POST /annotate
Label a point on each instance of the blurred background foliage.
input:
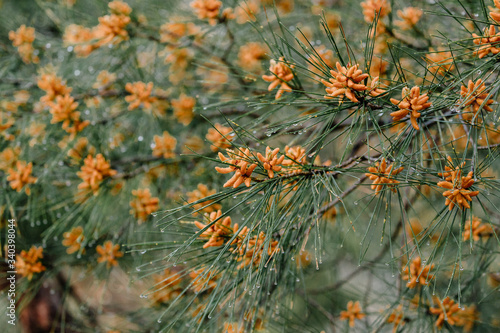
(107, 239)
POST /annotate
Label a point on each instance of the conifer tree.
(250, 166)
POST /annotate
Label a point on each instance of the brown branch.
(138, 159)
(66, 285)
(342, 196)
(407, 43)
(232, 112)
(489, 147)
(230, 35)
(143, 167)
(318, 307)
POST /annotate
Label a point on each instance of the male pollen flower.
(167, 286)
(410, 17)
(119, 8)
(487, 43)
(64, 110)
(140, 94)
(238, 162)
(371, 8)
(53, 87)
(446, 311)
(109, 252)
(94, 171)
(220, 137)
(282, 74)
(73, 240)
(345, 82)
(458, 192)
(475, 97)
(27, 263)
(21, 177)
(164, 145)
(183, 109)
(495, 12)
(203, 280)
(250, 56)
(381, 175)
(111, 29)
(218, 232)
(353, 312)
(396, 318)
(271, 162)
(411, 103)
(417, 273)
(477, 229)
(207, 9)
(143, 204)
(252, 252)
(440, 61)
(202, 192)
(23, 39)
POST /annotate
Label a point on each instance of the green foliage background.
(358, 256)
